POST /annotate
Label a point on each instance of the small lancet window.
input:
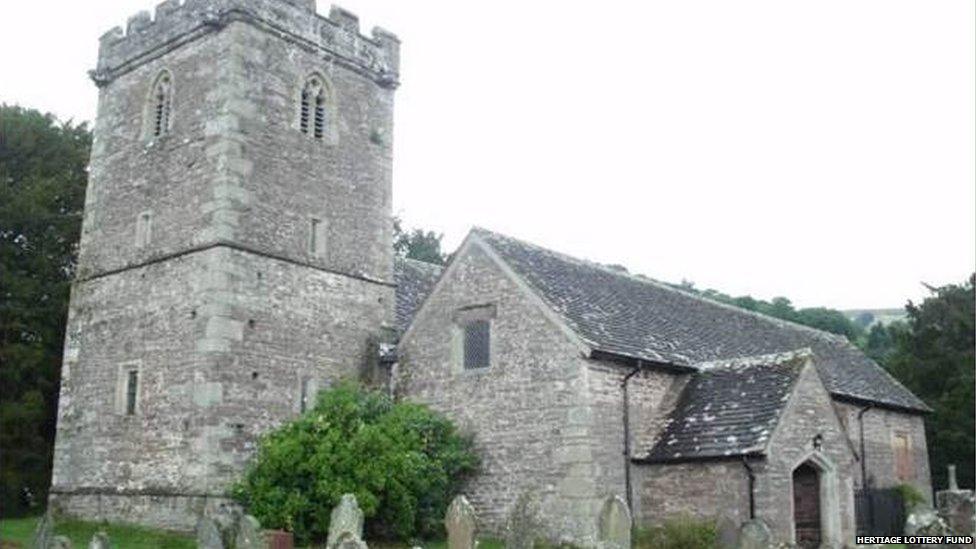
(161, 105)
(131, 391)
(314, 111)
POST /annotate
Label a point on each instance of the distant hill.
(866, 317)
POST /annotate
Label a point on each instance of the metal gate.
(880, 512)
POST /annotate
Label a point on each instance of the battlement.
(176, 22)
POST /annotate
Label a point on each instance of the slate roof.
(414, 281)
(636, 317)
(729, 409)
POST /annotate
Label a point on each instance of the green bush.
(678, 533)
(402, 461)
(910, 496)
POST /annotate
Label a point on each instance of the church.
(236, 258)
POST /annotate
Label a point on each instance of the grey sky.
(819, 150)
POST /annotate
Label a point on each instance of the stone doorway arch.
(815, 502)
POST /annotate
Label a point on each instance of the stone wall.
(706, 490)
(533, 425)
(880, 427)
(223, 341)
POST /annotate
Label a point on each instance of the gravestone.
(614, 524)
(346, 517)
(523, 527)
(349, 541)
(99, 541)
(957, 507)
(248, 534)
(726, 533)
(460, 523)
(755, 534)
(43, 532)
(60, 542)
(208, 535)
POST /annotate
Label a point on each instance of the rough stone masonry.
(235, 252)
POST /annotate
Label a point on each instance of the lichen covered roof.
(636, 317)
(414, 281)
(729, 408)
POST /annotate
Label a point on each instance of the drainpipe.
(864, 466)
(626, 399)
(752, 487)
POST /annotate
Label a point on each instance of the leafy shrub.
(402, 461)
(678, 533)
(910, 496)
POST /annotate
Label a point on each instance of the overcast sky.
(820, 150)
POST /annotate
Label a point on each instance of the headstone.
(226, 516)
(349, 541)
(924, 521)
(953, 484)
(958, 509)
(60, 542)
(726, 533)
(460, 523)
(523, 525)
(99, 541)
(208, 535)
(43, 532)
(614, 524)
(755, 534)
(346, 517)
(249, 534)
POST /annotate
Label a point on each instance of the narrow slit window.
(143, 229)
(477, 344)
(315, 237)
(162, 99)
(303, 396)
(131, 392)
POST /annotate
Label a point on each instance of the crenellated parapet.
(176, 22)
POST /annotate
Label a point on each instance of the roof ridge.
(747, 361)
(665, 286)
(419, 263)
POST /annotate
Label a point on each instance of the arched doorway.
(806, 505)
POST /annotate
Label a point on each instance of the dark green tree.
(417, 244)
(402, 461)
(935, 359)
(42, 187)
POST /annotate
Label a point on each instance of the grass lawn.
(16, 533)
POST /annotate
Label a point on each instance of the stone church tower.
(235, 254)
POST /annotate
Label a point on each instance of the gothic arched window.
(160, 105)
(314, 116)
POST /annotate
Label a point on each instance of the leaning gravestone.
(726, 533)
(60, 542)
(99, 541)
(248, 534)
(460, 524)
(346, 517)
(43, 532)
(614, 524)
(523, 526)
(755, 534)
(349, 541)
(208, 535)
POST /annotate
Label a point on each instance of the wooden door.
(806, 506)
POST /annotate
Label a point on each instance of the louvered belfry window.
(314, 109)
(477, 344)
(162, 100)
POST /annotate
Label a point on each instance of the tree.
(417, 244)
(934, 358)
(42, 188)
(403, 462)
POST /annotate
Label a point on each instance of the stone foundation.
(173, 512)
